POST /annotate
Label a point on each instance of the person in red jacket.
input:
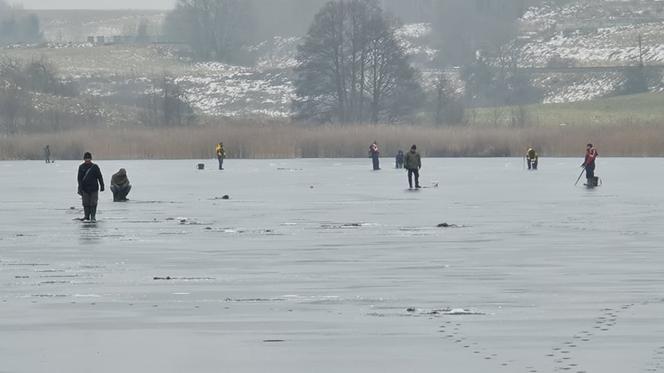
(589, 164)
(374, 153)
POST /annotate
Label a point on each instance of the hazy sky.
(95, 4)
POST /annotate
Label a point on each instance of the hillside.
(575, 52)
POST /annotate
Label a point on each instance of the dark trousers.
(221, 162)
(89, 199)
(532, 164)
(590, 171)
(120, 192)
(90, 204)
(376, 162)
(415, 172)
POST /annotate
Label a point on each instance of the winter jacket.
(120, 178)
(413, 161)
(591, 155)
(90, 178)
(220, 151)
(373, 150)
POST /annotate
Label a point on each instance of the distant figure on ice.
(532, 159)
(120, 186)
(47, 154)
(89, 182)
(589, 164)
(221, 154)
(413, 164)
(400, 159)
(374, 153)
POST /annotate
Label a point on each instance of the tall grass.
(287, 140)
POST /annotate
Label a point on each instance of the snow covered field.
(325, 266)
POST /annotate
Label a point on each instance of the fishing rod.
(577, 180)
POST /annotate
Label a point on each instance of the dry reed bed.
(286, 140)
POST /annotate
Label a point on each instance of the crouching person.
(120, 186)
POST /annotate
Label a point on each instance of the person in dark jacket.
(400, 159)
(90, 183)
(120, 186)
(47, 154)
(413, 163)
(532, 158)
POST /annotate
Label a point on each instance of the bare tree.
(165, 105)
(15, 100)
(142, 32)
(351, 67)
(463, 27)
(17, 25)
(448, 108)
(214, 29)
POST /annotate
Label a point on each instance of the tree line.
(35, 97)
(216, 29)
(351, 67)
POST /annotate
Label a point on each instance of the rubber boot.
(86, 212)
(93, 213)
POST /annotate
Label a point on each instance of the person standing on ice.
(399, 159)
(532, 159)
(90, 183)
(589, 165)
(47, 154)
(221, 154)
(413, 163)
(374, 153)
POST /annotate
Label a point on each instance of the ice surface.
(326, 266)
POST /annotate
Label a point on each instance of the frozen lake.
(326, 266)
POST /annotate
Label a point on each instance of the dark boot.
(93, 213)
(86, 212)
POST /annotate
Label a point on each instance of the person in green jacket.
(413, 163)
